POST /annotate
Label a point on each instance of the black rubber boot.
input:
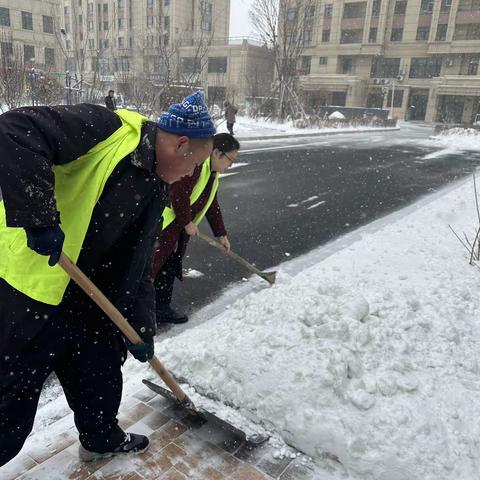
(133, 443)
(166, 314)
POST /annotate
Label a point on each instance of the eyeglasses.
(230, 159)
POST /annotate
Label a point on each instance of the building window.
(105, 25)
(323, 60)
(191, 65)
(445, 6)
(351, 36)
(354, 10)
(90, 8)
(91, 43)
(385, 67)
(291, 14)
(425, 67)
(90, 26)
(27, 21)
(124, 64)
(426, 6)
(150, 3)
(377, 4)
(121, 42)
(68, 44)
(441, 32)
(4, 17)
(397, 35)
(105, 43)
(206, 8)
(105, 8)
(468, 5)
(28, 53)
(473, 67)
(166, 3)
(310, 11)
(306, 65)
(49, 57)
(467, 32)
(346, 65)
(166, 23)
(149, 41)
(397, 99)
(400, 7)
(206, 25)
(372, 35)
(328, 10)
(422, 33)
(121, 23)
(326, 36)
(307, 37)
(7, 52)
(217, 65)
(121, 4)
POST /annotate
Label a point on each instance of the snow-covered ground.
(247, 127)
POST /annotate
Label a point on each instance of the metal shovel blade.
(269, 277)
(201, 416)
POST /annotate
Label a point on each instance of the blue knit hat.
(189, 118)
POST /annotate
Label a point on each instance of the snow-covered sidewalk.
(249, 128)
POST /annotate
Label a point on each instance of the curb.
(318, 134)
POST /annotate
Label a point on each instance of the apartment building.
(423, 53)
(27, 30)
(130, 36)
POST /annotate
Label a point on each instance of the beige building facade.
(238, 70)
(423, 53)
(27, 29)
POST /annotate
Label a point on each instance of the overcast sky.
(239, 24)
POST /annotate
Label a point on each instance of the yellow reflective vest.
(169, 214)
(78, 187)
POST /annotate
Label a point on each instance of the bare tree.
(285, 27)
(12, 73)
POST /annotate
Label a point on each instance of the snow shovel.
(176, 392)
(268, 276)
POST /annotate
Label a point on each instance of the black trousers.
(230, 127)
(75, 342)
(165, 280)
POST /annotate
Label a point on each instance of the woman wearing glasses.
(192, 198)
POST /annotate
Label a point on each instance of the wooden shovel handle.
(119, 320)
(268, 276)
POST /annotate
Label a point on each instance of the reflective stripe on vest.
(78, 187)
(169, 214)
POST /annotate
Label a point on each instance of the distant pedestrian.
(230, 115)
(110, 102)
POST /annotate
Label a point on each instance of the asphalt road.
(286, 197)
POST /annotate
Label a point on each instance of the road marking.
(283, 147)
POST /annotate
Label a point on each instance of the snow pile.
(336, 116)
(370, 356)
(467, 139)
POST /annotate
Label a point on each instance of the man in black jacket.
(110, 102)
(74, 339)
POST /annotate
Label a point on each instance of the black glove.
(46, 241)
(141, 351)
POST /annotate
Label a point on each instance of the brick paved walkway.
(177, 451)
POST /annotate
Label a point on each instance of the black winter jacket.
(117, 250)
